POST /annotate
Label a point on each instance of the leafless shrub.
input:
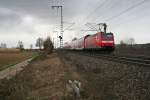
(20, 45)
(3, 45)
(48, 45)
(39, 43)
(128, 43)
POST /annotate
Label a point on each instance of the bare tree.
(122, 43)
(48, 45)
(131, 41)
(128, 42)
(39, 43)
(20, 45)
(3, 45)
(74, 39)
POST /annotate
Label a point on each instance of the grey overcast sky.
(26, 20)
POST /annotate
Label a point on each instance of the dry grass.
(10, 57)
(9, 50)
(43, 79)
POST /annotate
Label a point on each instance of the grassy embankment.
(10, 57)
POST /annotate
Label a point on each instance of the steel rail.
(137, 60)
(128, 60)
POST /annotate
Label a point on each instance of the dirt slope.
(42, 80)
(46, 79)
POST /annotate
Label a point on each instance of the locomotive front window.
(107, 36)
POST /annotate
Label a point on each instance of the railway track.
(135, 60)
(125, 59)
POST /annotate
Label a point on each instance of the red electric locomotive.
(98, 41)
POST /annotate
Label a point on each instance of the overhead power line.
(110, 6)
(126, 10)
(89, 25)
(68, 28)
(137, 17)
(98, 7)
(101, 4)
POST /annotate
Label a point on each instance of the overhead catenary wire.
(98, 7)
(93, 11)
(126, 10)
(145, 13)
(68, 28)
(103, 12)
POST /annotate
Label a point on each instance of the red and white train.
(98, 41)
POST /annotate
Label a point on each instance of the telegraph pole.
(61, 26)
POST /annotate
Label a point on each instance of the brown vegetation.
(48, 45)
(42, 80)
(12, 56)
(46, 79)
(5, 50)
